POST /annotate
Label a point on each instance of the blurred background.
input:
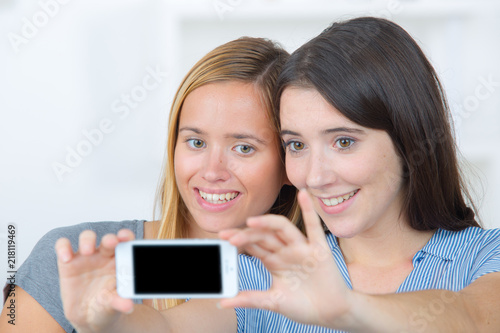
(86, 88)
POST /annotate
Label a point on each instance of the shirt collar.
(445, 244)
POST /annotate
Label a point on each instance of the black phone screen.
(177, 269)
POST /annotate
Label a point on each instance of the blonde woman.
(224, 163)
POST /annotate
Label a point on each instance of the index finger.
(125, 235)
(64, 251)
(312, 223)
(283, 227)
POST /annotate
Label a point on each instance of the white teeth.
(218, 198)
(340, 199)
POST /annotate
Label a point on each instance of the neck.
(384, 247)
(194, 231)
(151, 229)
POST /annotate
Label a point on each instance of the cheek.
(383, 171)
(178, 169)
(362, 170)
(359, 171)
(184, 166)
(393, 174)
(264, 176)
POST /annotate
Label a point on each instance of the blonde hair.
(252, 60)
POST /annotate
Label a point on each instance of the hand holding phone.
(87, 281)
(178, 268)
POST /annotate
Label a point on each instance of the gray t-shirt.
(38, 275)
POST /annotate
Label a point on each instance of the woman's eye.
(196, 143)
(293, 147)
(296, 146)
(344, 143)
(244, 149)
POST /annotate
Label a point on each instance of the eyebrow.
(327, 131)
(192, 129)
(246, 136)
(239, 136)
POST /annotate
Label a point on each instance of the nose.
(215, 165)
(320, 170)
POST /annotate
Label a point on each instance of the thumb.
(268, 300)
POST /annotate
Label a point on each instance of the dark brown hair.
(375, 74)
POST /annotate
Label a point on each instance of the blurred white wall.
(96, 79)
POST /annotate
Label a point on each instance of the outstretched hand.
(307, 286)
(88, 281)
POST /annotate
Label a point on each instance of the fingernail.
(218, 305)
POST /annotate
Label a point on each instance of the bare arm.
(192, 316)
(200, 316)
(308, 287)
(28, 314)
(474, 309)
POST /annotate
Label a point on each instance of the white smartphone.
(177, 268)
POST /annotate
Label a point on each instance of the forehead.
(226, 106)
(298, 104)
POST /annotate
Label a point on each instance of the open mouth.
(219, 198)
(337, 200)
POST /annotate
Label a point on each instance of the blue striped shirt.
(450, 261)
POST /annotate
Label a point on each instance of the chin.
(214, 226)
(210, 229)
(344, 235)
(341, 232)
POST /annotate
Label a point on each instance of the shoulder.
(483, 249)
(43, 253)
(469, 239)
(473, 232)
(100, 228)
(485, 238)
(473, 252)
(38, 275)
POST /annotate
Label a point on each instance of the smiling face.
(227, 158)
(353, 172)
